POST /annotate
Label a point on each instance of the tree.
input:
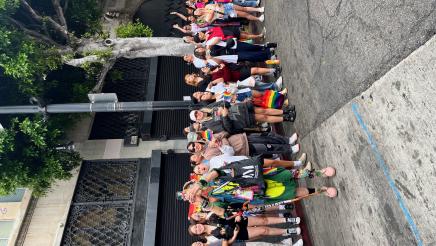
(36, 40)
(29, 157)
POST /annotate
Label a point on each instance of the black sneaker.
(290, 116)
(278, 72)
(289, 206)
(289, 108)
(271, 45)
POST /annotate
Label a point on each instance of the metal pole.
(98, 107)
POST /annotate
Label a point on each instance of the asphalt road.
(332, 50)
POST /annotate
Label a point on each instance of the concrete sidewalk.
(333, 50)
(382, 142)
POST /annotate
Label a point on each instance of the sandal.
(331, 192)
(328, 172)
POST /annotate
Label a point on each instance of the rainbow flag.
(227, 96)
(207, 135)
(272, 99)
(269, 171)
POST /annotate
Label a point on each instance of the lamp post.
(98, 103)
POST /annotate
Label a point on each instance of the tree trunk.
(132, 48)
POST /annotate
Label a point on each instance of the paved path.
(383, 145)
(366, 106)
(332, 50)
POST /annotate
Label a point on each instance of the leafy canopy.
(29, 158)
(134, 29)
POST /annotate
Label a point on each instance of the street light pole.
(97, 107)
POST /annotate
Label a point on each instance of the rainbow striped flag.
(207, 135)
(272, 99)
(269, 171)
(227, 96)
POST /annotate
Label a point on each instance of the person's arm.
(213, 41)
(215, 82)
(211, 175)
(208, 18)
(180, 16)
(235, 235)
(227, 123)
(226, 149)
(217, 210)
(176, 26)
(216, 60)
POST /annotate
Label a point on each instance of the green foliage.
(29, 158)
(101, 54)
(134, 29)
(84, 17)
(92, 69)
(26, 60)
(9, 5)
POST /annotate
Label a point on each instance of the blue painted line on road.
(384, 167)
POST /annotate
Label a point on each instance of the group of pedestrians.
(244, 182)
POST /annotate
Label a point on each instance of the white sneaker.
(287, 241)
(279, 83)
(308, 166)
(262, 18)
(294, 231)
(294, 221)
(261, 9)
(295, 149)
(298, 243)
(257, 2)
(293, 138)
(303, 158)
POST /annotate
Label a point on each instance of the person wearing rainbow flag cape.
(266, 99)
(247, 182)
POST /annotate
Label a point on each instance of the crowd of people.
(243, 182)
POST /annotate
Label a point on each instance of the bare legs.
(247, 9)
(246, 15)
(268, 111)
(277, 163)
(263, 221)
(260, 231)
(261, 70)
(268, 115)
(246, 35)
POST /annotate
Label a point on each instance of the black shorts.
(251, 119)
(245, 72)
(232, 31)
(243, 231)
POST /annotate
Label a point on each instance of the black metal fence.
(102, 210)
(128, 79)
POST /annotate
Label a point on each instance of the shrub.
(134, 29)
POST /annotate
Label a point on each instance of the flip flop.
(328, 172)
(331, 192)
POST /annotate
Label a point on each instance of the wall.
(14, 211)
(50, 215)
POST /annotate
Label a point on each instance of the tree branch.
(65, 5)
(80, 61)
(60, 13)
(63, 31)
(34, 34)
